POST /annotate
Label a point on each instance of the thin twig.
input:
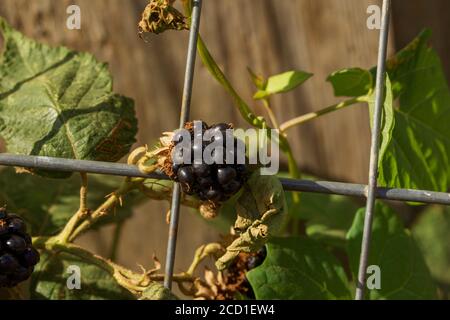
(312, 115)
(272, 117)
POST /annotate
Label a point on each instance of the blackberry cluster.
(17, 256)
(215, 182)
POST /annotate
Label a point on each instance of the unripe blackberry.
(217, 179)
(17, 256)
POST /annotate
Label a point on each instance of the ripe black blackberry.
(216, 179)
(17, 256)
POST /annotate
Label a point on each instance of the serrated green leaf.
(49, 280)
(283, 82)
(404, 274)
(59, 103)
(417, 154)
(432, 233)
(353, 82)
(298, 268)
(47, 204)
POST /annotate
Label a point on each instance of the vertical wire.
(374, 150)
(184, 117)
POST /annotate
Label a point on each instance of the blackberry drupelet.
(215, 181)
(17, 256)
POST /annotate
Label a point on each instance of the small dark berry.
(213, 195)
(231, 187)
(205, 183)
(185, 175)
(30, 257)
(202, 195)
(225, 175)
(16, 244)
(8, 263)
(16, 225)
(21, 274)
(201, 170)
(241, 169)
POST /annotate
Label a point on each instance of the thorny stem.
(65, 234)
(312, 115)
(134, 282)
(110, 203)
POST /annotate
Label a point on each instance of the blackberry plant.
(302, 235)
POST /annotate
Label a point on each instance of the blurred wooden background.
(270, 36)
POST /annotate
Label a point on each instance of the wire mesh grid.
(371, 192)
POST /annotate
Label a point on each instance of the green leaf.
(353, 82)
(404, 274)
(156, 291)
(49, 280)
(328, 217)
(47, 204)
(387, 118)
(259, 82)
(59, 103)
(432, 232)
(283, 82)
(417, 153)
(298, 268)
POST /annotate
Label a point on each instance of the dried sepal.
(159, 16)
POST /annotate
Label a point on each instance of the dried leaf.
(159, 16)
(260, 209)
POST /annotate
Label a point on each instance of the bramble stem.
(312, 115)
(272, 117)
(83, 192)
(70, 226)
(134, 282)
(113, 199)
(201, 253)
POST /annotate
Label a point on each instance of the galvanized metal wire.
(374, 150)
(184, 117)
(125, 170)
(370, 191)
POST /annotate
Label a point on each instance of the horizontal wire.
(326, 187)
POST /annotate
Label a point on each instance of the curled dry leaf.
(159, 16)
(260, 212)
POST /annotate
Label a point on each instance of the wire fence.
(371, 191)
